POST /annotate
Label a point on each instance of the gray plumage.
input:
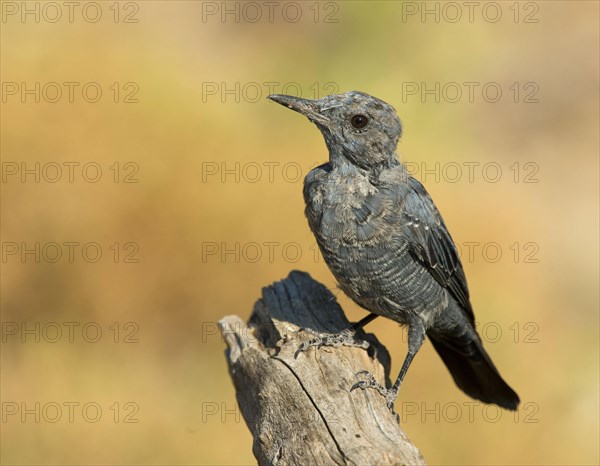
(387, 245)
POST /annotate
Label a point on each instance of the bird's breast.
(347, 209)
(357, 228)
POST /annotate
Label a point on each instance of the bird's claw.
(370, 382)
(390, 398)
(302, 347)
(346, 337)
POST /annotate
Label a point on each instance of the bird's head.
(357, 126)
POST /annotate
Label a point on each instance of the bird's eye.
(359, 121)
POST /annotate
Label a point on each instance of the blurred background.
(149, 189)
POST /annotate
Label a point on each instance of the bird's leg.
(346, 337)
(416, 337)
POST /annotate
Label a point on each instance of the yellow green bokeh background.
(178, 211)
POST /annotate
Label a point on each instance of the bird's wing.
(431, 243)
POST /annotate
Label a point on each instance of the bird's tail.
(472, 369)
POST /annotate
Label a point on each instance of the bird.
(385, 242)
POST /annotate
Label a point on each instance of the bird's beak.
(309, 108)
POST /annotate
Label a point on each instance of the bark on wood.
(300, 410)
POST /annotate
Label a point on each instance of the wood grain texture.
(300, 411)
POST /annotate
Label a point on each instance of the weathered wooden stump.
(300, 410)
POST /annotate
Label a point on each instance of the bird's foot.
(368, 381)
(346, 337)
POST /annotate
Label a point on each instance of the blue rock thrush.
(386, 244)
